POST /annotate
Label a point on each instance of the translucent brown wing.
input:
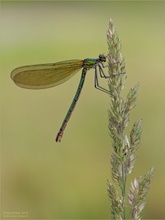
(44, 76)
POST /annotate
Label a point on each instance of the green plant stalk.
(123, 191)
(124, 154)
(116, 83)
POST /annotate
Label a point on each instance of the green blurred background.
(44, 179)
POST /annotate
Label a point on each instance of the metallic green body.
(88, 63)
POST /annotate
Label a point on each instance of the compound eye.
(102, 58)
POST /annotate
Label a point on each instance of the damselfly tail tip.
(59, 137)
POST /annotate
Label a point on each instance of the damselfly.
(44, 76)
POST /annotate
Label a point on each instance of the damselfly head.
(102, 58)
